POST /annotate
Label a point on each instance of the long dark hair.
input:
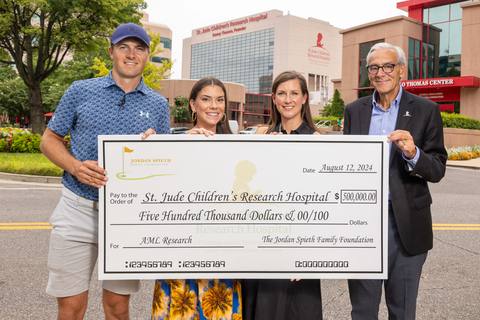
(222, 128)
(275, 117)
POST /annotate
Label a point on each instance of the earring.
(224, 118)
(194, 117)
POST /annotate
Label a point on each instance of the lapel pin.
(407, 114)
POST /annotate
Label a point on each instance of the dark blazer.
(409, 192)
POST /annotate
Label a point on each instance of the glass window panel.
(364, 93)
(430, 69)
(425, 15)
(424, 69)
(417, 69)
(439, 14)
(364, 81)
(425, 48)
(455, 38)
(456, 11)
(431, 51)
(364, 49)
(411, 46)
(444, 47)
(410, 68)
(417, 49)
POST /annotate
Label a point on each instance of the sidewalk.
(473, 164)
(29, 178)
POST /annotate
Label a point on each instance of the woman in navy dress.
(276, 299)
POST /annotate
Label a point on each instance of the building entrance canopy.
(440, 89)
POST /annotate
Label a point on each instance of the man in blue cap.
(119, 103)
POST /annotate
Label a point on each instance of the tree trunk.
(37, 118)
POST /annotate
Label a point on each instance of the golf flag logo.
(125, 150)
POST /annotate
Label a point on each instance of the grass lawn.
(28, 163)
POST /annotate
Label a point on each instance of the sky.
(182, 16)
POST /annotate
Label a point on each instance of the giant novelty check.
(241, 206)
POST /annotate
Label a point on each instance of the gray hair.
(383, 45)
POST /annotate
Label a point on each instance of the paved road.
(450, 288)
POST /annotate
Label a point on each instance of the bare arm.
(87, 172)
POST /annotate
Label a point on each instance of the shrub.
(26, 143)
(3, 145)
(66, 142)
(452, 120)
(180, 110)
(5, 132)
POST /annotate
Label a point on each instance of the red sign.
(442, 82)
(318, 54)
(232, 24)
(440, 89)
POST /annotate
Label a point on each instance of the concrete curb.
(30, 178)
(463, 166)
(472, 164)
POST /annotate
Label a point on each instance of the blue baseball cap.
(130, 30)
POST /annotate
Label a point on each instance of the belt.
(79, 200)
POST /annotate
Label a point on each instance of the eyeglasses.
(387, 68)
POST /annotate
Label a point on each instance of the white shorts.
(74, 249)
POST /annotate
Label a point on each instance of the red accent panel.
(450, 82)
(412, 4)
(438, 95)
(416, 13)
(447, 107)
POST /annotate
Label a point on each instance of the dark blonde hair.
(222, 128)
(275, 117)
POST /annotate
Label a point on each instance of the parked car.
(233, 126)
(249, 130)
(178, 130)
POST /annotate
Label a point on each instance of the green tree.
(338, 105)
(77, 68)
(37, 35)
(152, 74)
(14, 98)
(327, 110)
(452, 72)
(180, 110)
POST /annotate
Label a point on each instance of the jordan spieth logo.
(135, 162)
(143, 114)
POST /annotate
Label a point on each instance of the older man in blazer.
(414, 129)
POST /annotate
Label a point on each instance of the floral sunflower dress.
(197, 299)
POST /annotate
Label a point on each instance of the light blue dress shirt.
(383, 123)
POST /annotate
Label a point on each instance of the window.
(363, 81)
(257, 109)
(442, 40)
(158, 59)
(167, 43)
(414, 59)
(246, 59)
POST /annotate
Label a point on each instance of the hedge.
(454, 120)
